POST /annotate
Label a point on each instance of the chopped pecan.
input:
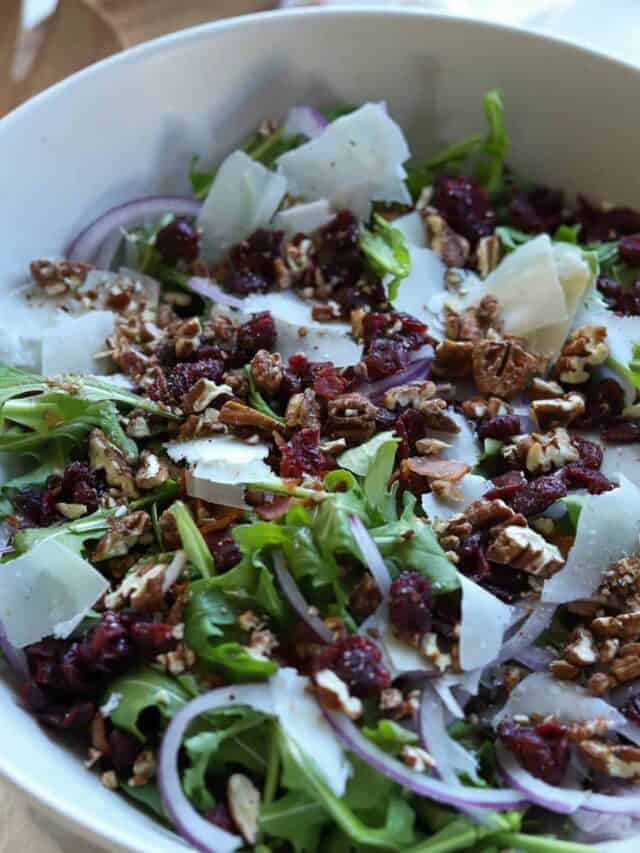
(557, 411)
(586, 347)
(202, 394)
(626, 667)
(453, 360)
(620, 584)
(266, 370)
(141, 588)
(437, 417)
(334, 694)
(541, 452)
(581, 650)
(503, 367)
(419, 760)
(105, 456)
(152, 471)
(59, 277)
(431, 446)
(187, 337)
(526, 550)
(625, 626)
(124, 534)
(366, 597)
(177, 661)
(262, 644)
(202, 426)
(599, 683)
(303, 411)
(414, 394)
(488, 253)
(475, 322)
(351, 416)
(237, 381)
(430, 649)
(545, 389)
(138, 425)
(564, 671)
(452, 248)
(619, 762)
(236, 414)
(478, 408)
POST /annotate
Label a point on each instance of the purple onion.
(297, 602)
(625, 693)
(305, 121)
(85, 246)
(416, 371)
(371, 555)
(207, 288)
(534, 658)
(527, 633)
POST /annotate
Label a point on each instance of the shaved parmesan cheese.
(297, 331)
(608, 529)
(72, 345)
(527, 287)
(484, 621)
(463, 446)
(302, 720)
(542, 694)
(472, 487)
(401, 656)
(412, 227)
(222, 467)
(45, 592)
(357, 159)
(244, 196)
(304, 218)
(575, 275)
(25, 317)
(423, 293)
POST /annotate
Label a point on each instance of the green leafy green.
(382, 499)
(390, 736)
(386, 252)
(490, 166)
(73, 534)
(196, 549)
(360, 458)
(257, 401)
(251, 582)
(296, 818)
(140, 689)
(147, 796)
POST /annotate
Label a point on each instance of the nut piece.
(488, 254)
(526, 550)
(435, 469)
(152, 472)
(586, 347)
(351, 416)
(557, 411)
(541, 452)
(452, 248)
(187, 337)
(236, 414)
(202, 426)
(124, 534)
(202, 394)
(105, 456)
(436, 417)
(620, 585)
(453, 360)
(334, 694)
(303, 411)
(581, 651)
(58, 277)
(244, 805)
(417, 759)
(479, 407)
(545, 389)
(626, 667)
(266, 370)
(412, 394)
(431, 446)
(563, 671)
(503, 367)
(619, 762)
(473, 323)
(143, 586)
(429, 648)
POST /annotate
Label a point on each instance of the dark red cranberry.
(178, 241)
(245, 282)
(258, 255)
(630, 301)
(123, 751)
(505, 582)
(327, 383)
(472, 557)
(152, 638)
(538, 495)
(538, 210)
(224, 549)
(184, 375)
(605, 402)
(358, 662)
(410, 603)
(73, 719)
(629, 250)
(499, 427)
(625, 432)
(506, 485)
(402, 328)
(591, 454)
(410, 427)
(384, 358)
(302, 455)
(600, 224)
(542, 750)
(257, 333)
(580, 476)
(465, 206)
(337, 246)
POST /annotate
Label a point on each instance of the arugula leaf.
(251, 582)
(419, 177)
(257, 401)
(296, 818)
(490, 167)
(147, 796)
(140, 689)
(390, 736)
(52, 458)
(359, 459)
(387, 253)
(381, 499)
(73, 534)
(195, 547)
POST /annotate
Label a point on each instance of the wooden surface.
(84, 31)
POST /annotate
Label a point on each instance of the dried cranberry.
(245, 282)
(537, 495)
(605, 402)
(184, 375)
(410, 428)
(538, 210)
(76, 718)
(629, 250)
(338, 251)
(506, 583)
(600, 224)
(257, 333)
(224, 549)
(258, 254)
(506, 485)
(630, 301)
(152, 638)
(358, 662)
(402, 328)
(472, 557)
(499, 427)
(302, 455)
(465, 206)
(542, 750)
(123, 751)
(327, 383)
(594, 481)
(624, 432)
(410, 603)
(178, 241)
(385, 357)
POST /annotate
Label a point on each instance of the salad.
(321, 498)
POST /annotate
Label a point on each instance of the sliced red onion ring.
(527, 633)
(207, 288)
(104, 259)
(534, 658)
(460, 796)
(16, 658)
(415, 371)
(451, 758)
(88, 242)
(307, 121)
(297, 602)
(371, 556)
(195, 829)
(625, 693)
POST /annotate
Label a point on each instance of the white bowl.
(129, 126)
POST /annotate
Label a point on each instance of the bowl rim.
(39, 792)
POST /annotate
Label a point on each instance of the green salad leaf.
(257, 401)
(296, 818)
(386, 252)
(195, 547)
(360, 458)
(390, 736)
(147, 796)
(143, 688)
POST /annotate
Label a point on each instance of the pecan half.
(557, 411)
(351, 416)
(526, 550)
(266, 370)
(586, 347)
(105, 456)
(503, 367)
(58, 277)
(303, 411)
(123, 535)
(453, 360)
(619, 762)
(452, 248)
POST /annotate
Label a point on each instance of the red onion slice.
(297, 602)
(459, 796)
(624, 693)
(195, 829)
(307, 121)
(534, 658)
(527, 633)
(371, 555)
(451, 757)
(88, 242)
(207, 288)
(414, 372)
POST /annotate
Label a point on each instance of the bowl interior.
(130, 126)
